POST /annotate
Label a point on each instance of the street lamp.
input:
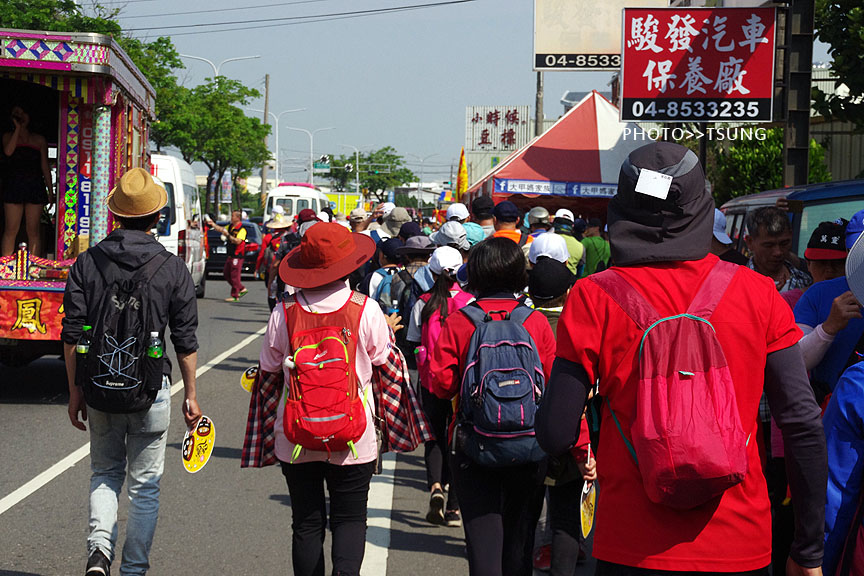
(311, 146)
(215, 67)
(276, 134)
(420, 183)
(356, 169)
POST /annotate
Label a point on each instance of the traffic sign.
(320, 168)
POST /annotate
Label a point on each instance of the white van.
(180, 230)
(294, 197)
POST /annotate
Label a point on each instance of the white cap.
(451, 233)
(445, 258)
(323, 216)
(564, 213)
(386, 208)
(278, 209)
(244, 215)
(458, 211)
(548, 244)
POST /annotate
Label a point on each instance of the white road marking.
(55, 470)
(380, 500)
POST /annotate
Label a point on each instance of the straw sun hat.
(136, 195)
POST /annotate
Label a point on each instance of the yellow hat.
(136, 195)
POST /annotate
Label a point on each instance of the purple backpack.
(686, 436)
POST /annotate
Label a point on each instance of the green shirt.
(596, 251)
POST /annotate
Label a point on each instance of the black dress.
(22, 181)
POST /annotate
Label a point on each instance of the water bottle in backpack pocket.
(115, 371)
(501, 390)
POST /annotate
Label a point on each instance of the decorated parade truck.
(93, 106)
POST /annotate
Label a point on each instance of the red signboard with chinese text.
(31, 315)
(697, 64)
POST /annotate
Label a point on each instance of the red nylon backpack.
(323, 408)
(686, 436)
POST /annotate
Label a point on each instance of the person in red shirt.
(235, 235)
(660, 230)
(500, 506)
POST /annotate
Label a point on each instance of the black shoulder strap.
(152, 266)
(523, 238)
(111, 272)
(406, 277)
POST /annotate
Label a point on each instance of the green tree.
(341, 179)
(382, 170)
(213, 129)
(840, 24)
(747, 166)
(58, 15)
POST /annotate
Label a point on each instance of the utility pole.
(538, 106)
(798, 70)
(266, 122)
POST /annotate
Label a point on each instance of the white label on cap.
(653, 183)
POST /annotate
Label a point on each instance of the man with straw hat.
(129, 444)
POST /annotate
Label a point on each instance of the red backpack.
(686, 436)
(431, 329)
(324, 410)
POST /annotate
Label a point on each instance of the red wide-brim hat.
(328, 252)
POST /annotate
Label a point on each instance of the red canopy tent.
(574, 164)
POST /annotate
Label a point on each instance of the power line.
(313, 18)
(278, 4)
(260, 27)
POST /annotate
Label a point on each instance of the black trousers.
(436, 452)
(609, 569)
(500, 509)
(349, 491)
(566, 519)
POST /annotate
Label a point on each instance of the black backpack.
(116, 374)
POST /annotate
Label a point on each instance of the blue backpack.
(386, 294)
(501, 390)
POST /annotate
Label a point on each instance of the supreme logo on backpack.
(501, 389)
(116, 374)
(324, 410)
(686, 436)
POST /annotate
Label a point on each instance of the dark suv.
(217, 249)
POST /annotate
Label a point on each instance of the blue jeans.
(140, 438)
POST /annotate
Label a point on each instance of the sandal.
(232, 299)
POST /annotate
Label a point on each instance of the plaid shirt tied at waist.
(400, 419)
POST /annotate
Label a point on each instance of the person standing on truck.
(235, 235)
(26, 183)
(128, 440)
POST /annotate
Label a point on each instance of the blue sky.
(401, 79)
